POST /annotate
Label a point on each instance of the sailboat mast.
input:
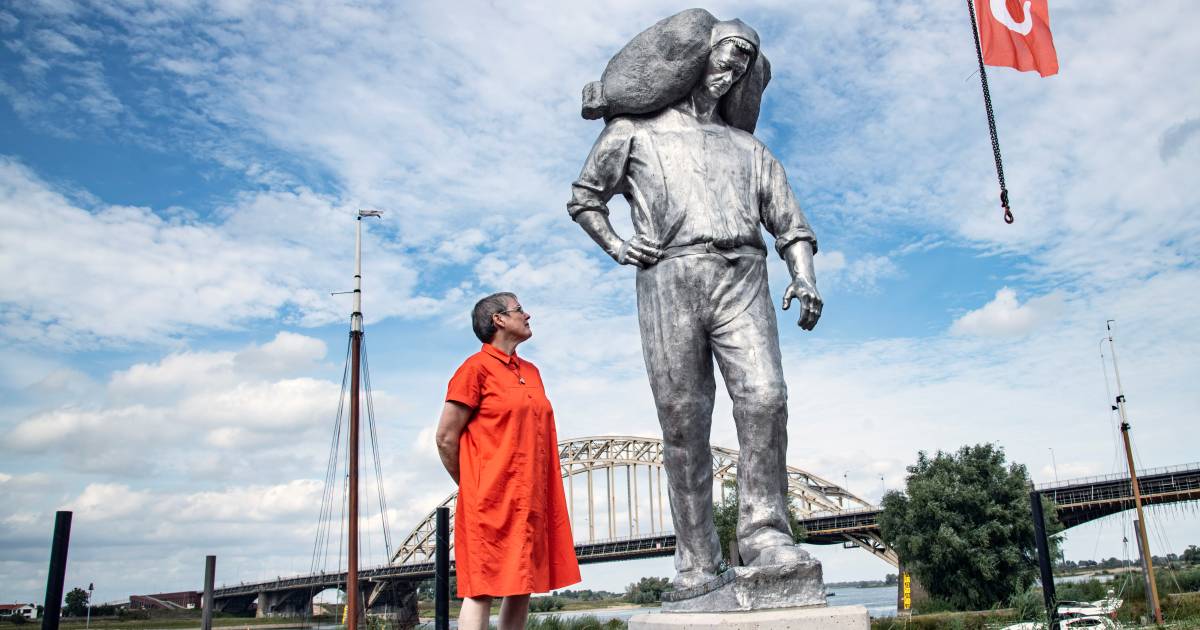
(352, 590)
(1143, 540)
(353, 594)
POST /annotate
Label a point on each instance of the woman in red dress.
(496, 438)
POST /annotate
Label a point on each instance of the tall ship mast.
(353, 594)
(1142, 540)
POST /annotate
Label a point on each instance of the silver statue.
(700, 185)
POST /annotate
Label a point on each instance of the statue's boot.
(694, 577)
(781, 554)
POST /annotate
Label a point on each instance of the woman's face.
(515, 320)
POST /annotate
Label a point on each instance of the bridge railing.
(624, 539)
(298, 578)
(848, 512)
(1149, 472)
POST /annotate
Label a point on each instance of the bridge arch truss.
(630, 471)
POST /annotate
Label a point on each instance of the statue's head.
(734, 47)
(665, 62)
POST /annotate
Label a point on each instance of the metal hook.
(1008, 215)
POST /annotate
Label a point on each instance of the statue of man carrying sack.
(680, 103)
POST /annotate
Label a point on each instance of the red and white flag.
(1016, 33)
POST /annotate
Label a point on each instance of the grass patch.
(975, 620)
(168, 623)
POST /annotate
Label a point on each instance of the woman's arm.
(454, 418)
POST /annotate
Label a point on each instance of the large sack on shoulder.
(662, 64)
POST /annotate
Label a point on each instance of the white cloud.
(251, 400)
(286, 354)
(57, 43)
(8, 21)
(278, 503)
(106, 501)
(1005, 316)
(115, 274)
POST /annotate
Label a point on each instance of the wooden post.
(52, 609)
(441, 572)
(1043, 549)
(210, 574)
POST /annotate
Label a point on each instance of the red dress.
(512, 532)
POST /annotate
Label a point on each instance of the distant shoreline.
(859, 584)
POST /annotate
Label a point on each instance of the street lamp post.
(91, 589)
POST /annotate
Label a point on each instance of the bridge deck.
(1081, 500)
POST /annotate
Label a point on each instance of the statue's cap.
(727, 29)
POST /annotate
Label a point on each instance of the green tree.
(545, 604)
(77, 602)
(1191, 554)
(426, 589)
(725, 514)
(647, 590)
(964, 528)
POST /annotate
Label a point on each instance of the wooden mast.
(1143, 540)
(353, 594)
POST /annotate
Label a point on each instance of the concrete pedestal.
(820, 618)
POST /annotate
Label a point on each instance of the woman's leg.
(475, 613)
(514, 610)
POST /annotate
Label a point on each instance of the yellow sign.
(907, 602)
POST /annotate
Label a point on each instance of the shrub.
(1086, 591)
(545, 604)
(1181, 606)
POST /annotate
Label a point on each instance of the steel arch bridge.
(630, 473)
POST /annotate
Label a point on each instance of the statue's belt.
(729, 253)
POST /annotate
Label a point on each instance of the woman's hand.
(454, 419)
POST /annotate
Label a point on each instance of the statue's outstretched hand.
(637, 252)
(804, 290)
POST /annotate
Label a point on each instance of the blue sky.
(177, 187)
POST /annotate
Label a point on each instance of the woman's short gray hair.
(481, 315)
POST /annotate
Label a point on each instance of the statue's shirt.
(688, 183)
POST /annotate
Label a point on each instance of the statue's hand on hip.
(636, 251)
(805, 290)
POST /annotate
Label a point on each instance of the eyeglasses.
(516, 309)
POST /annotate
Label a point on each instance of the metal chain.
(991, 118)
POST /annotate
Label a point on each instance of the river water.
(879, 600)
